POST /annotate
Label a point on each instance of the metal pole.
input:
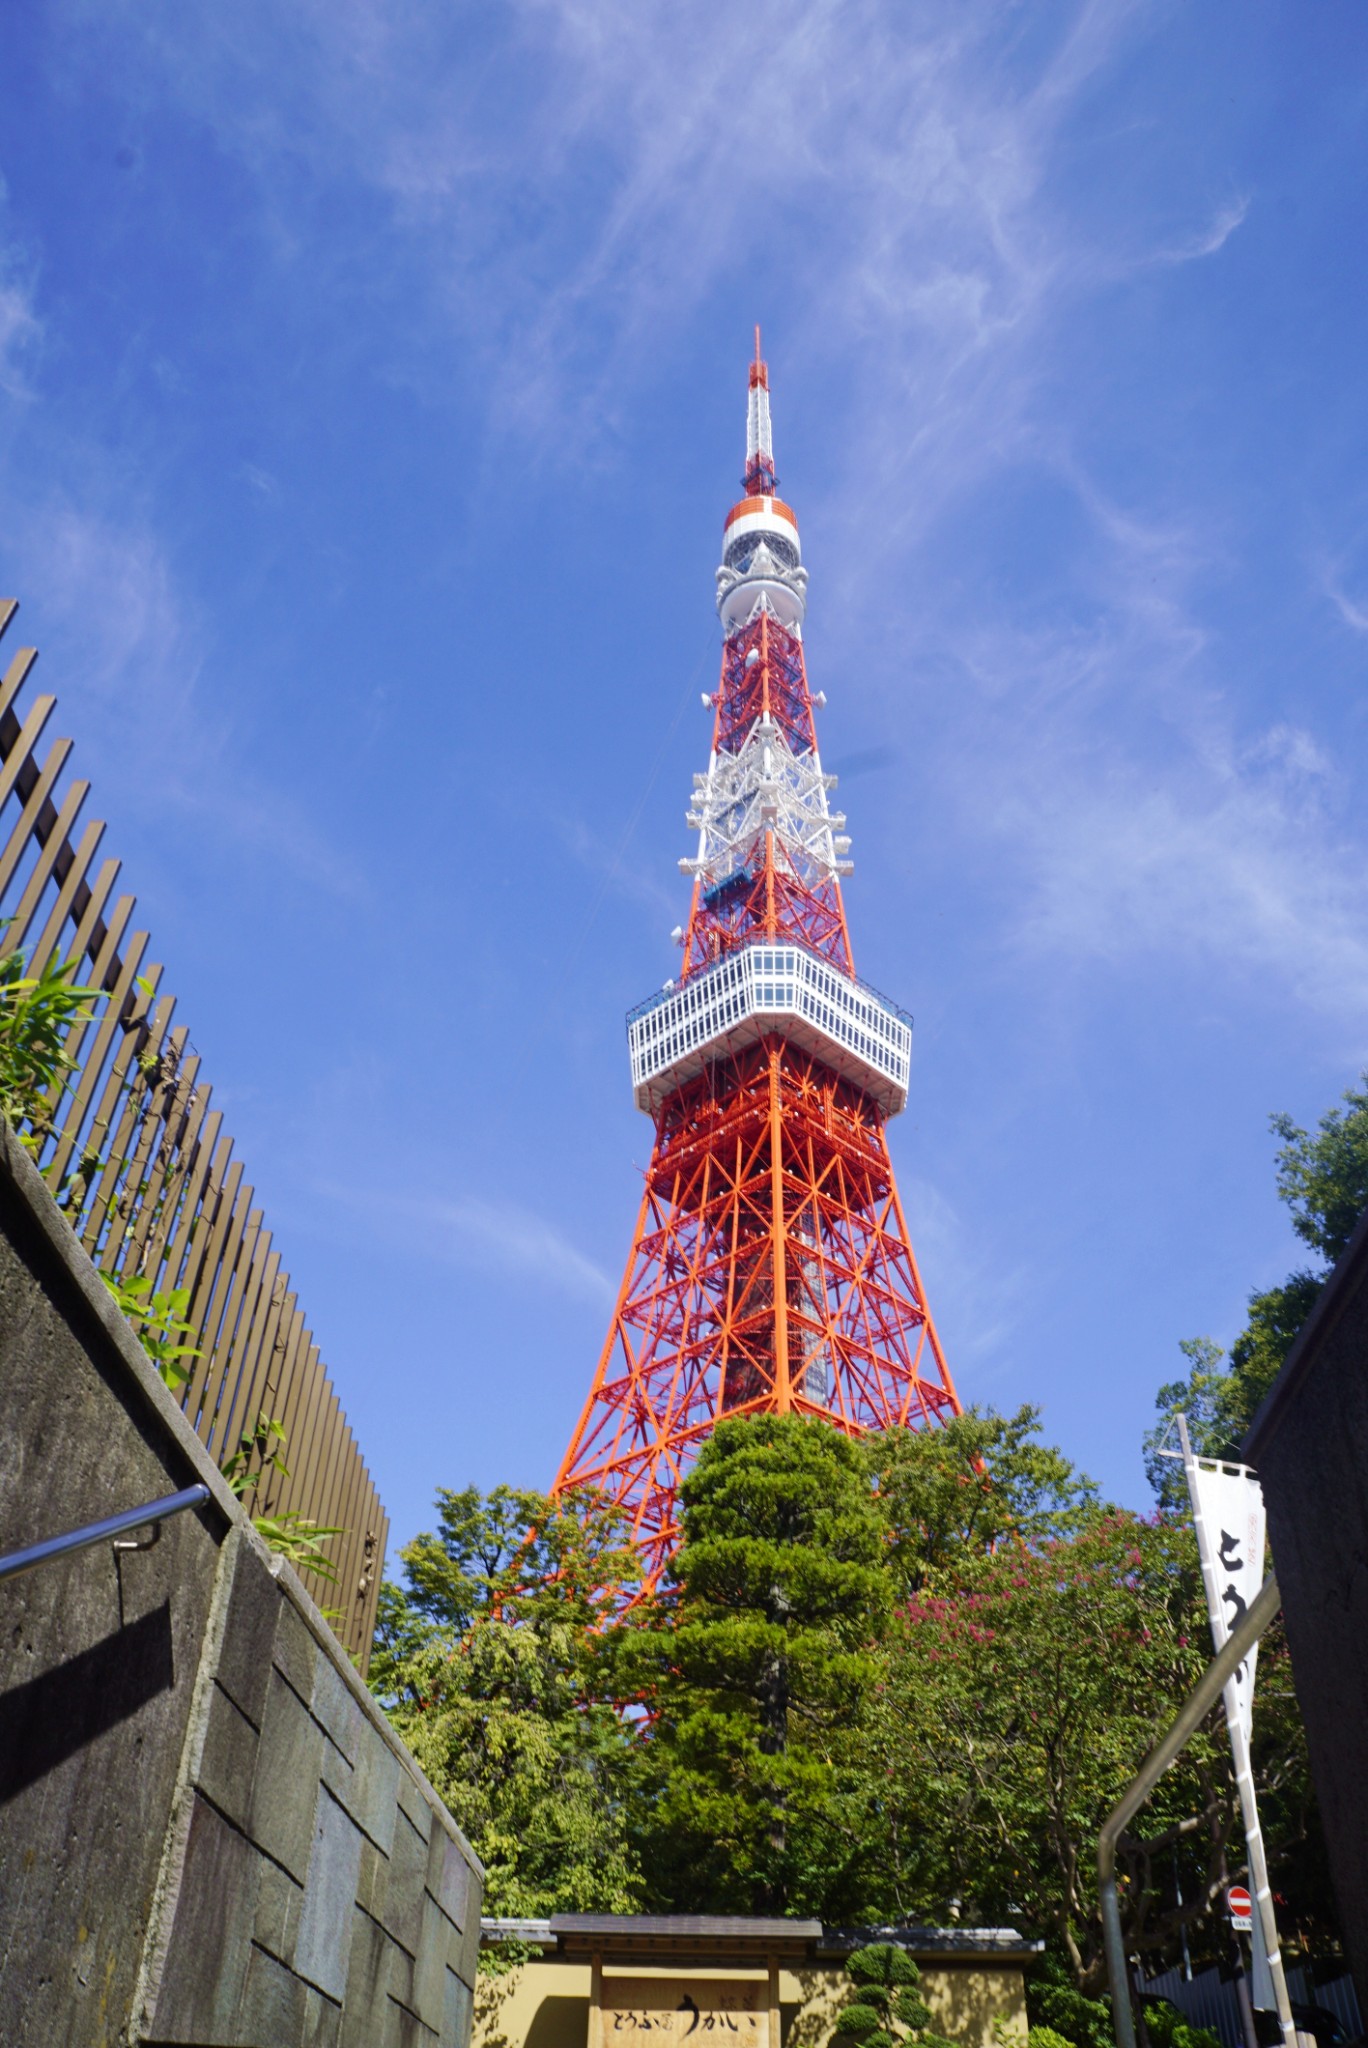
(1244, 1771)
(1194, 1711)
(100, 1532)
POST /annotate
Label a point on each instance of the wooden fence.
(141, 1166)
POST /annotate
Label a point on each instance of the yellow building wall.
(544, 2003)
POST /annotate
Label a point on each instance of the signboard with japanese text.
(694, 2009)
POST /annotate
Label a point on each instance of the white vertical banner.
(1228, 1508)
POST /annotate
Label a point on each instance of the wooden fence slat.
(312, 1455)
(30, 732)
(336, 1467)
(216, 1260)
(22, 835)
(139, 1159)
(244, 1365)
(233, 1304)
(375, 1537)
(217, 1294)
(72, 805)
(251, 1396)
(278, 1392)
(148, 1117)
(75, 873)
(317, 1499)
(349, 1545)
(182, 1264)
(93, 1063)
(113, 1113)
(136, 1131)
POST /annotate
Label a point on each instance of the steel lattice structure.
(771, 1269)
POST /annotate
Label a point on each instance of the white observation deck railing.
(770, 988)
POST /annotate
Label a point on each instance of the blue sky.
(372, 385)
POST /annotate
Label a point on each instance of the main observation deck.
(675, 1033)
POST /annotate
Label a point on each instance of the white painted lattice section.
(767, 988)
(765, 787)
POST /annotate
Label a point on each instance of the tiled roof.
(729, 1933)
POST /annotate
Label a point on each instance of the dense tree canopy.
(486, 1665)
(1323, 1178)
(897, 1679)
(949, 1496)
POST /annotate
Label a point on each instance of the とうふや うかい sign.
(694, 2009)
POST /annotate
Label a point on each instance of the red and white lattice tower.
(771, 1271)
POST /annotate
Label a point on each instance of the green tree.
(1198, 1397)
(762, 1657)
(887, 2006)
(489, 1666)
(1018, 1707)
(1061, 2017)
(953, 1494)
(1323, 1178)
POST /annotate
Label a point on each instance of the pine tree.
(764, 1655)
(888, 2007)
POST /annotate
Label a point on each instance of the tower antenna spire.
(759, 480)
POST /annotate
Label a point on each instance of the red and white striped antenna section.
(758, 481)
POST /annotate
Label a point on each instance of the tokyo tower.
(771, 1270)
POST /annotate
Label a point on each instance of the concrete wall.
(208, 1831)
(1310, 1444)
(544, 2003)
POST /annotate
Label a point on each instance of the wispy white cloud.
(19, 330)
(259, 480)
(1208, 240)
(20, 327)
(132, 644)
(1353, 611)
(974, 1293)
(487, 1234)
(907, 178)
(1230, 858)
(521, 1243)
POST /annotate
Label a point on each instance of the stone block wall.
(209, 1832)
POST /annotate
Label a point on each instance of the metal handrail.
(156, 1511)
(1195, 1709)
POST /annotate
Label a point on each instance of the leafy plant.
(292, 1535)
(260, 1450)
(159, 1321)
(37, 1012)
(299, 1540)
(954, 1494)
(888, 2006)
